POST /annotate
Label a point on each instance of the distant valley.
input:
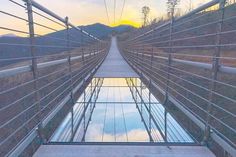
(12, 46)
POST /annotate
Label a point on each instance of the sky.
(84, 12)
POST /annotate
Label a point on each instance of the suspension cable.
(105, 4)
(114, 12)
(124, 2)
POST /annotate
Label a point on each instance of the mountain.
(12, 46)
(8, 35)
(106, 30)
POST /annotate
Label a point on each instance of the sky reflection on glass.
(116, 116)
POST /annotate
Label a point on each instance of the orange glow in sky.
(84, 12)
(126, 22)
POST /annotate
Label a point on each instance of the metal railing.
(156, 118)
(41, 75)
(190, 60)
(79, 119)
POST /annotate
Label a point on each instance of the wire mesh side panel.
(43, 60)
(192, 60)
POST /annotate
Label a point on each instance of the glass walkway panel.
(119, 110)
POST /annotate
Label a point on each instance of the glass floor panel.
(119, 110)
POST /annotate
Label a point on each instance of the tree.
(145, 11)
(190, 5)
(171, 6)
(230, 1)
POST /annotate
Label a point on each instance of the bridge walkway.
(121, 151)
(114, 66)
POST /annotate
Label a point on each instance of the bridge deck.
(121, 151)
(114, 65)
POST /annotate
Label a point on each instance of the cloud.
(95, 133)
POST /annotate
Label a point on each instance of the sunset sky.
(83, 12)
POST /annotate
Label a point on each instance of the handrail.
(22, 69)
(203, 7)
(222, 68)
(43, 82)
(190, 61)
(47, 11)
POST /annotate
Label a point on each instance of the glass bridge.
(66, 92)
(119, 110)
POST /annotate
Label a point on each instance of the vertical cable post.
(150, 110)
(136, 92)
(82, 46)
(93, 50)
(137, 56)
(91, 91)
(141, 93)
(214, 71)
(165, 137)
(34, 67)
(152, 57)
(70, 75)
(84, 112)
(98, 47)
(169, 55)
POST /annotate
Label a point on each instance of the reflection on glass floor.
(119, 110)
